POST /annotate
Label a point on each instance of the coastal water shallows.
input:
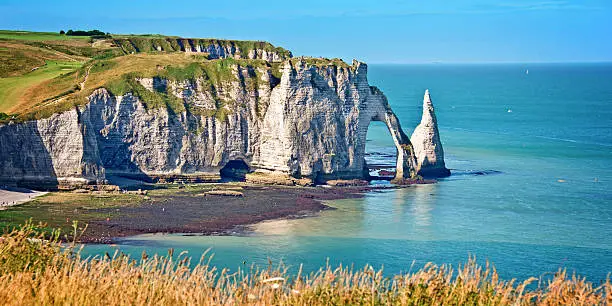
(531, 156)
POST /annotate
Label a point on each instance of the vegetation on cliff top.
(119, 75)
(40, 36)
(136, 44)
(321, 62)
(13, 88)
(37, 269)
(48, 73)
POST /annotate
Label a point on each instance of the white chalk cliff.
(427, 145)
(309, 122)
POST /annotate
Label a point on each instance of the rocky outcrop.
(213, 48)
(308, 126)
(317, 122)
(60, 150)
(427, 145)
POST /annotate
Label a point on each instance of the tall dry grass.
(37, 271)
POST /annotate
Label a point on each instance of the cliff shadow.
(25, 161)
(234, 170)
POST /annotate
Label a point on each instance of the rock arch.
(312, 123)
(406, 164)
(317, 121)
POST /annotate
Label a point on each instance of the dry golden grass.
(37, 272)
(38, 96)
(17, 58)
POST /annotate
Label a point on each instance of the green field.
(11, 88)
(24, 35)
(62, 64)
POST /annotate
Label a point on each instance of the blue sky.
(381, 31)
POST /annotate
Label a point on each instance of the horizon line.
(492, 62)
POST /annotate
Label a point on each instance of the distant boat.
(509, 110)
(527, 72)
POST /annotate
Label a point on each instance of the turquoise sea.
(531, 190)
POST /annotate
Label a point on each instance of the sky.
(381, 31)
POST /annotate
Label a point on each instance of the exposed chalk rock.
(214, 48)
(311, 125)
(427, 145)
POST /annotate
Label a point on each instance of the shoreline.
(11, 196)
(197, 209)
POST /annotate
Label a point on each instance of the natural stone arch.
(379, 110)
(317, 121)
(405, 164)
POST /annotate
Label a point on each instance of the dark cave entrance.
(234, 170)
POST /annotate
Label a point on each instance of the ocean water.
(531, 190)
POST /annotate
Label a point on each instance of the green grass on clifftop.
(26, 35)
(43, 73)
(12, 88)
(119, 75)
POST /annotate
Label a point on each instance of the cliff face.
(317, 122)
(214, 48)
(312, 122)
(59, 150)
(427, 145)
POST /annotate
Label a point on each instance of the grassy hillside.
(28, 59)
(18, 58)
(13, 88)
(43, 73)
(39, 36)
(119, 75)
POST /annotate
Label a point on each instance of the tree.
(62, 32)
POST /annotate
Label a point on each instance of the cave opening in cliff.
(235, 170)
(380, 151)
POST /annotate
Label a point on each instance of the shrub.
(85, 33)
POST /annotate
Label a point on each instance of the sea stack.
(427, 145)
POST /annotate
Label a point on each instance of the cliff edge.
(305, 120)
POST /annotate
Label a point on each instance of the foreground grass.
(36, 270)
(13, 88)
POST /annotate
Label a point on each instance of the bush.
(86, 33)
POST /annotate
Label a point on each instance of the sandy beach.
(10, 196)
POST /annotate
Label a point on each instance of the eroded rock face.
(214, 48)
(427, 145)
(317, 122)
(60, 150)
(311, 124)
